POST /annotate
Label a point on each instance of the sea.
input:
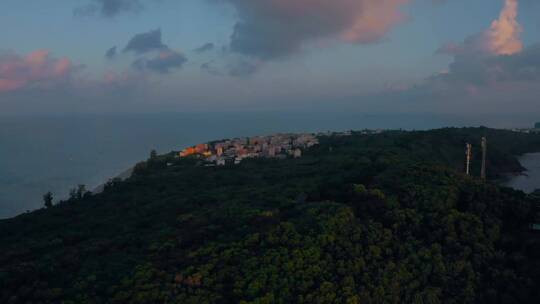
(529, 181)
(57, 152)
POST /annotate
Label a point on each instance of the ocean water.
(55, 153)
(529, 181)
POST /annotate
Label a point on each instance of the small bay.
(530, 179)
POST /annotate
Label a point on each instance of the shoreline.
(527, 179)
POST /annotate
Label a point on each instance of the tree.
(48, 199)
(81, 191)
(73, 193)
(78, 193)
(359, 189)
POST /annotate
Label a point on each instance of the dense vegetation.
(385, 218)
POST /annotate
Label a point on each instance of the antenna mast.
(468, 155)
(484, 154)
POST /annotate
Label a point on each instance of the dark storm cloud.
(109, 8)
(270, 29)
(163, 63)
(111, 53)
(204, 48)
(145, 42)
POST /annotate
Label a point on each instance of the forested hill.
(386, 218)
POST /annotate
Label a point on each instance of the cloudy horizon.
(102, 56)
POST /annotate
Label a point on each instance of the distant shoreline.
(122, 176)
(527, 180)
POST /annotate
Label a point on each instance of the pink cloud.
(492, 66)
(35, 69)
(372, 20)
(503, 37)
(358, 21)
(62, 67)
(37, 58)
(10, 84)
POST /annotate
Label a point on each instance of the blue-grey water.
(55, 153)
(529, 181)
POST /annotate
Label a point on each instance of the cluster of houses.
(536, 129)
(349, 133)
(233, 151)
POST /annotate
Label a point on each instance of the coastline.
(122, 176)
(527, 180)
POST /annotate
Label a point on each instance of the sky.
(141, 56)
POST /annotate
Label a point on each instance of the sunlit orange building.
(188, 151)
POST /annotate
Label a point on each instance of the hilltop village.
(279, 146)
(233, 151)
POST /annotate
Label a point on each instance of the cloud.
(233, 65)
(37, 69)
(165, 61)
(152, 54)
(270, 29)
(243, 67)
(111, 53)
(451, 49)
(489, 70)
(204, 48)
(491, 57)
(209, 68)
(108, 8)
(145, 42)
(501, 38)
